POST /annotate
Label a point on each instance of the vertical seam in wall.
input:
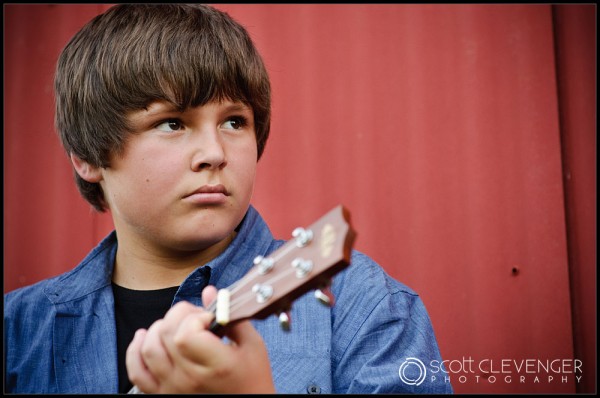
(565, 177)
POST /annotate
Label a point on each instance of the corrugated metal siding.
(436, 125)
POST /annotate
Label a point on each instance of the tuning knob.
(325, 296)
(303, 236)
(285, 320)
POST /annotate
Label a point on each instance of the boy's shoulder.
(366, 273)
(91, 273)
(364, 289)
(29, 293)
(23, 305)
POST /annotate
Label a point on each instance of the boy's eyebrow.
(159, 107)
(238, 107)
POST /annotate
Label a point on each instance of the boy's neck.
(142, 270)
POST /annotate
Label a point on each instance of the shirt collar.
(253, 238)
(95, 271)
(92, 274)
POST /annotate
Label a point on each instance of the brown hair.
(134, 54)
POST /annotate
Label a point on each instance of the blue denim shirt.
(60, 334)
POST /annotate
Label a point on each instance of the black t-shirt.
(135, 309)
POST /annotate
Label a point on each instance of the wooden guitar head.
(306, 262)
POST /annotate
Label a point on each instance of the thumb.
(209, 293)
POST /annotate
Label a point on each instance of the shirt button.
(313, 389)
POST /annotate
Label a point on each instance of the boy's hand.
(178, 354)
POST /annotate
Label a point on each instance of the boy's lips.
(208, 194)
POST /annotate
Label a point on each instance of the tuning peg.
(303, 236)
(285, 320)
(325, 296)
(264, 264)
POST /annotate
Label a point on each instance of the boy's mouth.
(208, 194)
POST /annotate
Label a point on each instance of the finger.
(178, 312)
(192, 326)
(184, 320)
(194, 342)
(154, 351)
(136, 369)
(172, 323)
(209, 293)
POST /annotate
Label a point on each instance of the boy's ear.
(85, 170)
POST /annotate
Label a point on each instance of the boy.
(164, 111)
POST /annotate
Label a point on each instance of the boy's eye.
(235, 123)
(170, 125)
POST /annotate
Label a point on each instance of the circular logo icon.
(412, 371)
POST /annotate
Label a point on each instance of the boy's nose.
(210, 153)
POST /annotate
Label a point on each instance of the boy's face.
(185, 179)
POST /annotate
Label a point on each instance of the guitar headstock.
(306, 262)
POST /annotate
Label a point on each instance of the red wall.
(443, 128)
